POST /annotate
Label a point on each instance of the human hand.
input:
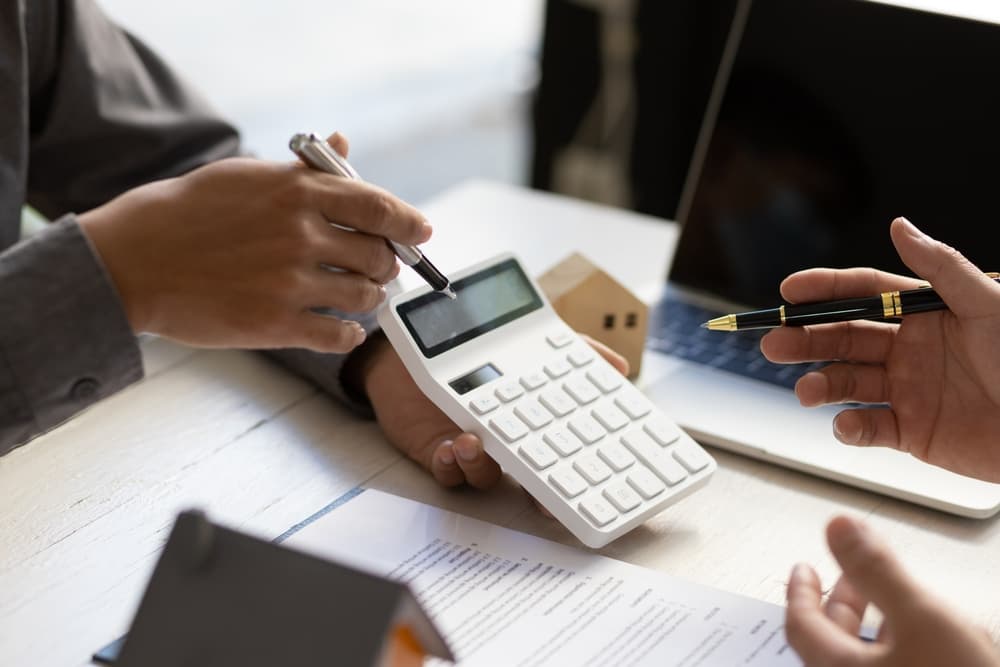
(938, 372)
(420, 430)
(239, 253)
(917, 631)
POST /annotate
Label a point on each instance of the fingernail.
(467, 451)
(445, 453)
(845, 433)
(798, 573)
(359, 333)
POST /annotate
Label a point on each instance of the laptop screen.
(834, 117)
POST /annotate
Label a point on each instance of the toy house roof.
(571, 273)
(221, 597)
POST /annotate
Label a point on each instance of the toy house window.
(631, 320)
(609, 321)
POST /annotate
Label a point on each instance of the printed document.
(501, 597)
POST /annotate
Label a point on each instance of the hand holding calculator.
(556, 416)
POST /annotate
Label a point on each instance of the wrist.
(359, 376)
(99, 228)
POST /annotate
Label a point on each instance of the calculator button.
(592, 468)
(509, 427)
(562, 441)
(559, 339)
(586, 429)
(598, 511)
(633, 405)
(581, 356)
(533, 380)
(606, 379)
(508, 392)
(622, 496)
(610, 417)
(615, 456)
(532, 413)
(484, 404)
(568, 482)
(661, 431)
(647, 451)
(645, 482)
(557, 401)
(557, 368)
(581, 390)
(538, 454)
(690, 456)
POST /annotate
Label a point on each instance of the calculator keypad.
(589, 434)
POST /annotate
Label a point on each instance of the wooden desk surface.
(85, 509)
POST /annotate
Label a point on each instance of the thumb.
(870, 566)
(967, 290)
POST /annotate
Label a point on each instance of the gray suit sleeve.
(65, 342)
(324, 370)
(109, 115)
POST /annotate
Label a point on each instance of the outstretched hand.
(938, 373)
(918, 630)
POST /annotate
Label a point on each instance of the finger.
(365, 207)
(322, 333)
(339, 143)
(871, 567)
(443, 465)
(341, 291)
(843, 383)
(480, 470)
(966, 290)
(357, 252)
(867, 427)
(618, 361)
(860, 341)
(846, 606)
(827, 284)
(815, 637)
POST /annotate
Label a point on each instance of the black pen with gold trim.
(884, 306)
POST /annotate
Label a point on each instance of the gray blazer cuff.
(324, 369)
(65, 342)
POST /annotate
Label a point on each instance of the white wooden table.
(85, 509)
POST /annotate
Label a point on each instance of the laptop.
(827, 119)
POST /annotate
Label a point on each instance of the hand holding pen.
(933, 379)
(318, 154)
(887, 305)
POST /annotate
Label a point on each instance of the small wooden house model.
(219, 597)
(594, 303)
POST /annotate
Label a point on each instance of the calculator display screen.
(486, 300)
(476, 378)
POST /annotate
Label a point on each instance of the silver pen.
(318, 154)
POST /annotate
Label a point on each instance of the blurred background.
(598, 99)
(429, 93)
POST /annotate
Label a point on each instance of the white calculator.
(552, 412)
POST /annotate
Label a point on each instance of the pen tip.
(449, 292)
(704, 325)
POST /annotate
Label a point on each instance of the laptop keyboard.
(675, 328)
